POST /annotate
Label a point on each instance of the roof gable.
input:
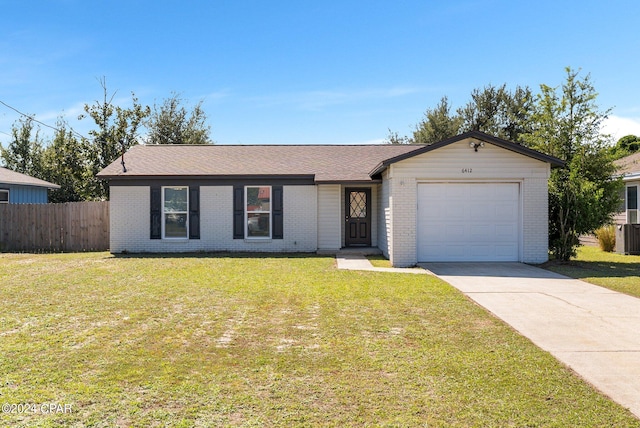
(505, 144)
(8, 176)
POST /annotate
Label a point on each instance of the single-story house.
(18, 188)
(472, 197)
(629, 169)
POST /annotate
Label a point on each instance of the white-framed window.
(4, 196)
(175, 212)
(632, 204)
(257, 212)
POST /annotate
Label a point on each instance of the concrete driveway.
(591, 329)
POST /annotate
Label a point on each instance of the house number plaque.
(467, 170)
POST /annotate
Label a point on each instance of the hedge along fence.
(72, 226)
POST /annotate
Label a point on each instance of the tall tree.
(582, 196)
(498, 112)
(116, 133)
(494, 110)
(24, 152)
(625, 146)
(438, 124)
(66, 163)
(171, 123)
(394, 138)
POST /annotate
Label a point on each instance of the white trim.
(180, 238)
(626, 202)
(246, 214)
(8, 195)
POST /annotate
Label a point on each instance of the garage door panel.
(482, 211)
(481, 232)
(454, 193)
(505, 251)
(454, 210)
(511, 192)
(505, 209)
(504, 232)
(481, 193)
(454, 233)
(455, 250)
(480, 251)
(468, 221)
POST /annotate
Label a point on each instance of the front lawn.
(214, 340)
(379, 261)
(614, 271)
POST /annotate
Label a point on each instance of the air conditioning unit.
(628, 239)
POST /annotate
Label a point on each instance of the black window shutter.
(194, 212)
(238, 212)
(277, 212)
(156, 213)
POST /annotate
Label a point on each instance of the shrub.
(606, 238)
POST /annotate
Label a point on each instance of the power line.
(33, 118)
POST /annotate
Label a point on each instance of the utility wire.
(33, 118)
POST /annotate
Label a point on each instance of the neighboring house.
(629, 168)
(473, 197)
(18, 188)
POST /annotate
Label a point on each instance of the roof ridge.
(281, 145)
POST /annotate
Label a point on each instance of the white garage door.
(468, 221)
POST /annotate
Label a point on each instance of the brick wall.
(535, 228)
(384, 218)
(130, 222)
(403, 221)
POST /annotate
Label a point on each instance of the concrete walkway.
(360, 262)
(593, 330)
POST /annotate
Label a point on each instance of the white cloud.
(618, 126)
(320, 99)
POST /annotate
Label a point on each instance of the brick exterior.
(401, 221)
(535, 219)
(403, 201)
(458, 163)
(314, 215)
(129, 222)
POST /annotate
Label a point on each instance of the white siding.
(458, 162)
(488, 162)
(329, 218)
(130, 222)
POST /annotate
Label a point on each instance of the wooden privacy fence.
(73, 226)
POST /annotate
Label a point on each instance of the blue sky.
(297, 72)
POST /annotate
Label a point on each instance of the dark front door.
(357, 204)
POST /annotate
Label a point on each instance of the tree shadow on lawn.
(588, 269)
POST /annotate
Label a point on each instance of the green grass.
(379, 261)
(614, 271)
(213, 340)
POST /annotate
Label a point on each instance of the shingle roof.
(322, 163)
(8, 176)
(326, 163)
(629, 165)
